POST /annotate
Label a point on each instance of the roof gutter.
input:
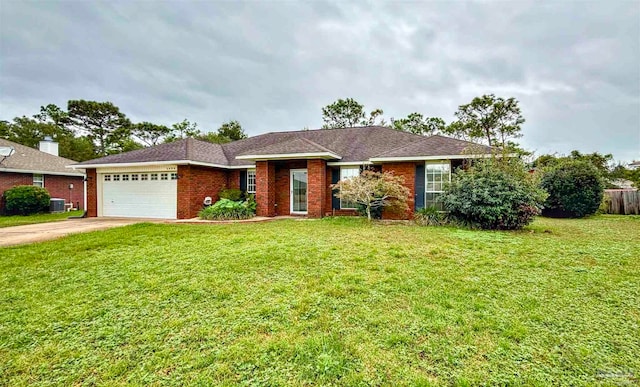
(12, 170)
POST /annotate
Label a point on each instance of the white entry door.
(298, 191)
(140, 195)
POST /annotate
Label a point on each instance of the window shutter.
(243, 181)
(420, 188)
(335, 177)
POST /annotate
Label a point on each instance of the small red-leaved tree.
(374, 190)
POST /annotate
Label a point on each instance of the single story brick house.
(42, 168)
(290, 173)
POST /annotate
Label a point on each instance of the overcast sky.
(574, 66)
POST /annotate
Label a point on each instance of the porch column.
(266, 188)
(317, 188)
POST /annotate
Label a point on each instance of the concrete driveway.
(46, 231)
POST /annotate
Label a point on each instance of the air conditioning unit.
(56, 205)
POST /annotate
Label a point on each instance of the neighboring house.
(634, 165)
(42, 168)
(289, 172)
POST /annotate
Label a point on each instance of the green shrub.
(231, 194)
(26, 200)
(493, 194)
(225, 209)
(575, 189)
(429, 216)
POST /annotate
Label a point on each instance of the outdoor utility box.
(56, 205)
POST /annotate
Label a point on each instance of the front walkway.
(250, 220)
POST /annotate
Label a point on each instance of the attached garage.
(138, 193)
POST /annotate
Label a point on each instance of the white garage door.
(140, 195)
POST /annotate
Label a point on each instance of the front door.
(298, 191)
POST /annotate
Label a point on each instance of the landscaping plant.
(374, 190)
(225, 209)
(575, 189)
(231, 194)
(26, 200)
(493, 194)
(429, 216)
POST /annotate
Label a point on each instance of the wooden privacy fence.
(623, 201)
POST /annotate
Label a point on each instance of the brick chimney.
(49, 146)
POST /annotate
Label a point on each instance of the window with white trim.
(164, 176)
(38, 180)
(348, 173)
(437, 173)
(251, 181)
(144, 176)
(107, 177)
(116, 177)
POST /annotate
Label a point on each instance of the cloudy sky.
(573, 65)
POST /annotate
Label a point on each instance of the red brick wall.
(194, 184)
(92, 193)
(9, 180)
(266, 188)
(283, 182)
(408, 172)
(57, 186)
(317, 188)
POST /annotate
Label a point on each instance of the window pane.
(251, 181)
(436, 175)
(38, 180)
(348, 173)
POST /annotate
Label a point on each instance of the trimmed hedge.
(575, 189)
(26, 200)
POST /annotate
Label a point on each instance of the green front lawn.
(18, 220)
(332, 301)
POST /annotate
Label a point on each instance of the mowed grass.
(325, 302)
(19, 220)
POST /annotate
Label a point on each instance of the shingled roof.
(360, 144)
(29, 160)
(435, 146)
(187, 149)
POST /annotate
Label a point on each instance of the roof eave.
(40, 172)
(150, 163)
